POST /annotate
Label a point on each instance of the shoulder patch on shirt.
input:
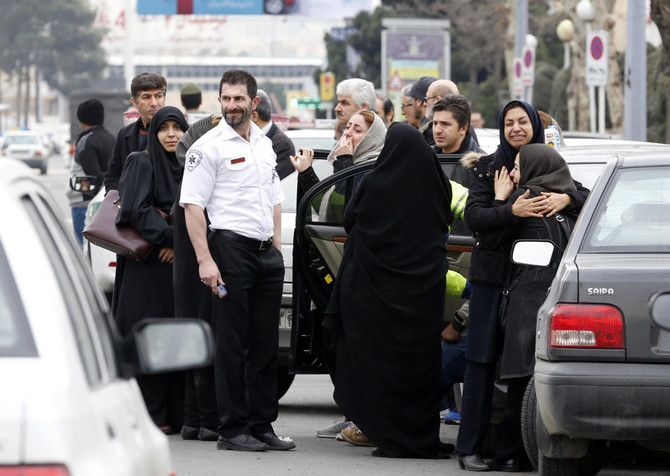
(239, 160)
(193, 159)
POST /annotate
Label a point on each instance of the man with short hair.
(230, 171)
(353, 95)
(437, 90)
(91, 154)
(385, 109)
(281, 144)
(148, 96)
(476, 119)
(419, 92)
(191, 98)
(451, 125)
(407, 107)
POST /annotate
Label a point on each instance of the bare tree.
(660, 14)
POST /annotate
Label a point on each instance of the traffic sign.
(596, 58)
(528, 66)
(396, 83)
(327, 86)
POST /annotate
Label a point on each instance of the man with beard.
(230, 171)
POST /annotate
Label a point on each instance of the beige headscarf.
(369, 146)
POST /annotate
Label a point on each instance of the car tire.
(529, 423)
(284, 380)
(274, 7)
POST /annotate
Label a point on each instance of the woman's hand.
(345, 147)
(556, 202)
(303, 159)
(525, 207)
(166, 255)
(502, 184)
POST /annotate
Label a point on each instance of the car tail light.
(41, 470)
(586, 326)
(38, 153)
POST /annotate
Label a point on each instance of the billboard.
(312, 8)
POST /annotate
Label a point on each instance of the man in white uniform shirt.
(230, 171)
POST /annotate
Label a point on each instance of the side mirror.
(534, 253)
(660, 310)
(86, 184)
(169, 345)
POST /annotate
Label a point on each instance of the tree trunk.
(660, 14)
(19, 89)
(38, 99)
(472, 86)
(27, 82)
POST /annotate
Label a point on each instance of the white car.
(69, 404)
(313, 138)
(27, 146)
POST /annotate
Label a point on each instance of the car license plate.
(285, 317)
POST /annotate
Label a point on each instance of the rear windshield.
(27, 139)
(16, 339)
(634, 214)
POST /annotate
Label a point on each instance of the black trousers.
(246, 333)
(484, 339)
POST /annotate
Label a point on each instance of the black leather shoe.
(188, 433)
(509, 466)
(275, 443)
(205, 434)
(472, 463)
(241, 443)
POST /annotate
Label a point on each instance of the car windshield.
(22, 139)
(634, 215)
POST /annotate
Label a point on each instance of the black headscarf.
(406, 191)
(544, 170)
(505, 153)
(167, 169)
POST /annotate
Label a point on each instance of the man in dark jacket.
(281, 144)
(91, 154)
(148, 96)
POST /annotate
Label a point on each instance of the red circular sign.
(597, 47)
(528, 58)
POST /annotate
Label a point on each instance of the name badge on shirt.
(239, 160)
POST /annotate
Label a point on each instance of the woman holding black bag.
(150, 181)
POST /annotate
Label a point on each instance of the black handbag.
(122, 240)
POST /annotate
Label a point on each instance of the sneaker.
(339, 436)
(356, 437)
(334, 429)
(451, 418)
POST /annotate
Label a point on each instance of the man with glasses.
(418, 93)
(407, 107)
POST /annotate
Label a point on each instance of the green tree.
(55, 37)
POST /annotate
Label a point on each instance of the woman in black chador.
(388, 302)
(150, 180)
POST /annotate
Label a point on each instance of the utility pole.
(635, 73)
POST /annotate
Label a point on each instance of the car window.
(289, 184)
(27, 139)
(16, 339)
(586, 174)
(634, 214)
(85, 308)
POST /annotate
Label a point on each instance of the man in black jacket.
(281, 144)
(91, 154)
(148, 96)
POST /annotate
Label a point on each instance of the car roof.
(602, 150)
(308, 133)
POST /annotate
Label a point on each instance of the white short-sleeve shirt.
(234, 180)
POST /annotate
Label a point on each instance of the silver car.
(603, 335)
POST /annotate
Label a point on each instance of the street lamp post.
(565, 31)
(586, 12)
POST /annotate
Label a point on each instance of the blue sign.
(228, 7)
(200, 7)
(156, 7)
